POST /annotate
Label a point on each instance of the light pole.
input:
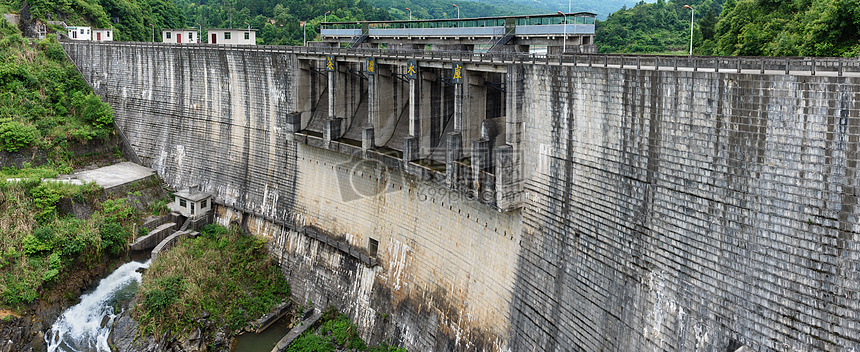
(325, 16)
(153, 32)
(305, 33)
(249, 32)
(458, 10)
(693, 12)
(564, 41)
(199, 32)
(410, 13)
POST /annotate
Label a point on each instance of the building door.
(179, 38)
(75, 34)
(213, 39)
(99, 36)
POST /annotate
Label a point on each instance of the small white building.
(233, 36)
(179, 36)
(192, 203)
(79, 33)
(103, 34)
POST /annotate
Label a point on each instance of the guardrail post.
(656, 63)
(762, 66)
(716, 65)
(574, 60)
(813, 66)
(589, 61)
(695, 65)
(638, 62)
(605, 60)
(739, 65)
(676, 63)
(787, 66)
(839, 70)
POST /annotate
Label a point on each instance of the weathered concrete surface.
(296, 332)
(115, 175)
(662, 210)
(154, 237)
(171, 240)
(684, 211)
(214, 117)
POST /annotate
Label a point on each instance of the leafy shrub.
(33, 245)
(158, 207)
(114, 237)
(310, 342)
(15, 135)
(52, 48)
(45, 200)
(165, 292)
(93, 110)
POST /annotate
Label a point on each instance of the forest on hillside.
(721, 27)
(735, 27)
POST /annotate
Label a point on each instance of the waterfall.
(86, 326)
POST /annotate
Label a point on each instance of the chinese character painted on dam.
(458, 73)
(329, 63)
(411, 69)
(370, 66)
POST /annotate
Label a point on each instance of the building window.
(108, 34)
(168, 35)
(372, 247)
(226, 35)
(182, 203)
(189, 36)
(203, 204)
(82, 31)
(192, 208)
(247, 35)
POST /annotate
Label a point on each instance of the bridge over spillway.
(458, 200)
(568, 32)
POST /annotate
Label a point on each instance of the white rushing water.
(80, 327)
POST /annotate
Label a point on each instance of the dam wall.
(661, 209)
(688, 211)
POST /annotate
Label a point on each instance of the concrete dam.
(501, 202)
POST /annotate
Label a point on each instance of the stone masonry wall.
(685, 211)
(213, 116)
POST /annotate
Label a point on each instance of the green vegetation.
(788, 28)
(38, 246)
(278, 23)
(743, 27)
(133, 17)
(44, 102)
(335, 329)
(222, 272)
(654, 28)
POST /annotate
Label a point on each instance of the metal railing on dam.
(827, 66)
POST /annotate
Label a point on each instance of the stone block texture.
(682, 211)
(216, 117)
(662, 210)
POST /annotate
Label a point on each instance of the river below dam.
(85, 327)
